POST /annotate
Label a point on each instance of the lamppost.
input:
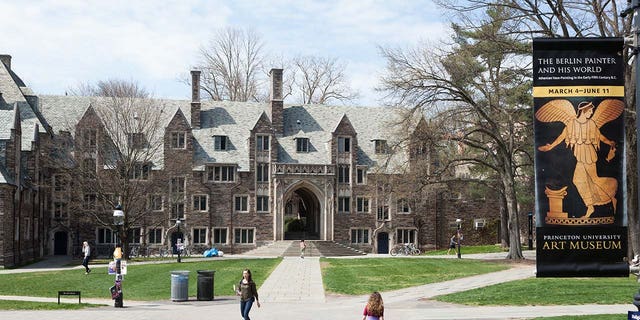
(530, 215)
(118, 221)
(178, 240)
(459, 223)
(633, 7)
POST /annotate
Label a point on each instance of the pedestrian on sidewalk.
(302, 247)
(452, 244)
(86, 250)
(248, 294)
(374, 310)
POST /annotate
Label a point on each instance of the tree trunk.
(504, 223)
(515, 247)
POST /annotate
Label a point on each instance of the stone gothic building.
(230, 175)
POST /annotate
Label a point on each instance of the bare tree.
(478, 95)
(111, 158)
(231, 65)
(321, 80)
(110, 88)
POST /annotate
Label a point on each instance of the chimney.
(6, 59)
(195, 98)
(277, 105)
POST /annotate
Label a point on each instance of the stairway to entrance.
(321, 249)
(315, 248)
(276, 248)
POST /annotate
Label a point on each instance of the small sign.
(123, 267)
(112, 269)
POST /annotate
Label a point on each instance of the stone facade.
(23, 215)
(240, 175)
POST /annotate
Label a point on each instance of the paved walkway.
(294, 291)
(294, 280)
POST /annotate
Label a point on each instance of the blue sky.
(58, 44)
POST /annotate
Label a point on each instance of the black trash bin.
(205, 285)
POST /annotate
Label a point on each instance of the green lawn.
(550, 291)
(143, 282)
(361, 276)
(31, 305)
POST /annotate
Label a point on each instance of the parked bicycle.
(134, 251)
(405, 249)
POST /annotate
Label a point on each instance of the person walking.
(248, 294)
(374, 310)
(302, 247)
(86, 250)
(452, 244)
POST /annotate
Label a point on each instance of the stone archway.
(302, 214)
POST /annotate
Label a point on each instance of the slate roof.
(317, 122)
(64, 112)
(13, 92)
(236, 119)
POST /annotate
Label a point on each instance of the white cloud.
(57, 44)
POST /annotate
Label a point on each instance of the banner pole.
(633, 9)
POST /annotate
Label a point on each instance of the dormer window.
(178, 140)
(344, 144)
(262, 143)
(302, 144)
(136, 140)
(381, 146)
(220, 143)
(90, 138)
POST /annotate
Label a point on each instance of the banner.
(578, 91)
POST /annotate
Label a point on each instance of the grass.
(361, 276)
(550, 291)
(31, 305)
(468, 250)
(143, 282)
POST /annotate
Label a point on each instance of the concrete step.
(315, 248)
(321, 249)
(276, 248)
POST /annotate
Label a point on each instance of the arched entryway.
(60, 243)
(302, 215)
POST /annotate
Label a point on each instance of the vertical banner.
(578, 91)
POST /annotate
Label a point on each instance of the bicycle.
(398, 249)
(163, 252)
(412, 249)
(133, 252)
(406, 249)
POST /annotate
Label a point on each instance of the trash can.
(180, 285)
(205, 285)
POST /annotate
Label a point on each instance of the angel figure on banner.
(582, 135)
